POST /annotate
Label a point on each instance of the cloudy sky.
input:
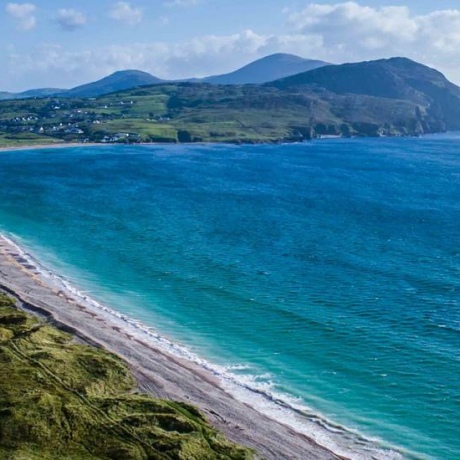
(63, 43)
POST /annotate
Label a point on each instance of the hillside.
(267, 69)
(263, 70)
(4, 95)
(395, 78)
(62, 400)
(41, 92)
(117, 81)
(379, 98)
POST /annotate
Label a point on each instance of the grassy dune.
(59, 399)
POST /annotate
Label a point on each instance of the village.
(76, 120)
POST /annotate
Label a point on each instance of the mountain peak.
(280, 57)
(130, 72)
(267, 69)
(117, 81)
(394, 78)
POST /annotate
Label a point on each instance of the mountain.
(5, 95)
(41, 92)
(387, 97)
(31, 93)
(267, 69)
(396, 78)
(263, 70)
(118, 81)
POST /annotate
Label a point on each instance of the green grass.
(213, 113)
(62, 400)
(139, 126)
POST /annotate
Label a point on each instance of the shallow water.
(324, 274)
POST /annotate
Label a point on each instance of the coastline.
(64, 145)
(57, 145)
(157, 372)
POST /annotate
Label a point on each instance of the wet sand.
(158, 373)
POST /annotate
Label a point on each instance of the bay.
(324, 275)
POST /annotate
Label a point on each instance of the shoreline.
(271, 425)
(157, 372)
(57, 145)
(64, 145)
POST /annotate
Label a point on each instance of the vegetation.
(118, 81)
(61, 400)
(380, 98)
(435, 100)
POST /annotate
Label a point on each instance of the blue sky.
(63, 43)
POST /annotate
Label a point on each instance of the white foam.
(257, 391)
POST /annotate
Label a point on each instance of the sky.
(64, 43)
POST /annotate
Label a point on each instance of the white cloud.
(163, 20)
(351, 32)
(70, 19)
(356, 20)
(201, 56)
(183, 2)
(340, 32)
(124, 12)
(23, 13)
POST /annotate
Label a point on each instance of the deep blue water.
(327, 272)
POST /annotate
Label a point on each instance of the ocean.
(320, 280)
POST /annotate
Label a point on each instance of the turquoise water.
(326, 273)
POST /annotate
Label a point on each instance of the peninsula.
(387, 97)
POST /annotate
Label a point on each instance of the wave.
(258, 391)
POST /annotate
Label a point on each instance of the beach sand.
(56, 145)
(158, 373)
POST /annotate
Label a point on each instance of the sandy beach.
(158, 373)
(57, 145)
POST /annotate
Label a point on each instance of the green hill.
(60, 400)
(117, 81)
(391, 97)
(395, 78)
(31, 93)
